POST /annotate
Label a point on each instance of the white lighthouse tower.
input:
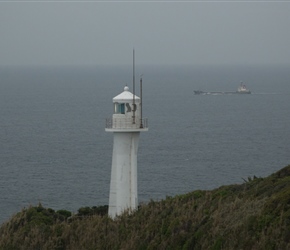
(126, 124)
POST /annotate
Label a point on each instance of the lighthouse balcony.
(126, 124)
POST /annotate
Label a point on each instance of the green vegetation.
(253, 215)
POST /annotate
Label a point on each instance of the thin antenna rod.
(141, 103)
(134, 107)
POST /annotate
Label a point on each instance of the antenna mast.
(141, 100)
(134, 105)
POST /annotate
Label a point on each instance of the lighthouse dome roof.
(126, 95)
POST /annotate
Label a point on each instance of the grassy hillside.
(253, 215)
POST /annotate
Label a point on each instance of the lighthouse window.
(122, 108)
(119, 108)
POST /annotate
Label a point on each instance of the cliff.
(252, 215)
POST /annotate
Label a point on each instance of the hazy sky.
(184, 32)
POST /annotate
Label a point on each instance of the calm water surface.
(54, 148)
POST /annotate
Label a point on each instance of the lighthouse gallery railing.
(126, 123)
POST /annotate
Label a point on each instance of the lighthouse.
(126, 125)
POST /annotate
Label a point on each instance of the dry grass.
(254, 215)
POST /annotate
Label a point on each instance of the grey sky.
(93, 33)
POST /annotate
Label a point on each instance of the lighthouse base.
(123, 186)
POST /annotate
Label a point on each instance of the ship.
(242, 89)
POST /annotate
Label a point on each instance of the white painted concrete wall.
(123, 186)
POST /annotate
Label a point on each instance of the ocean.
(54, 149)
